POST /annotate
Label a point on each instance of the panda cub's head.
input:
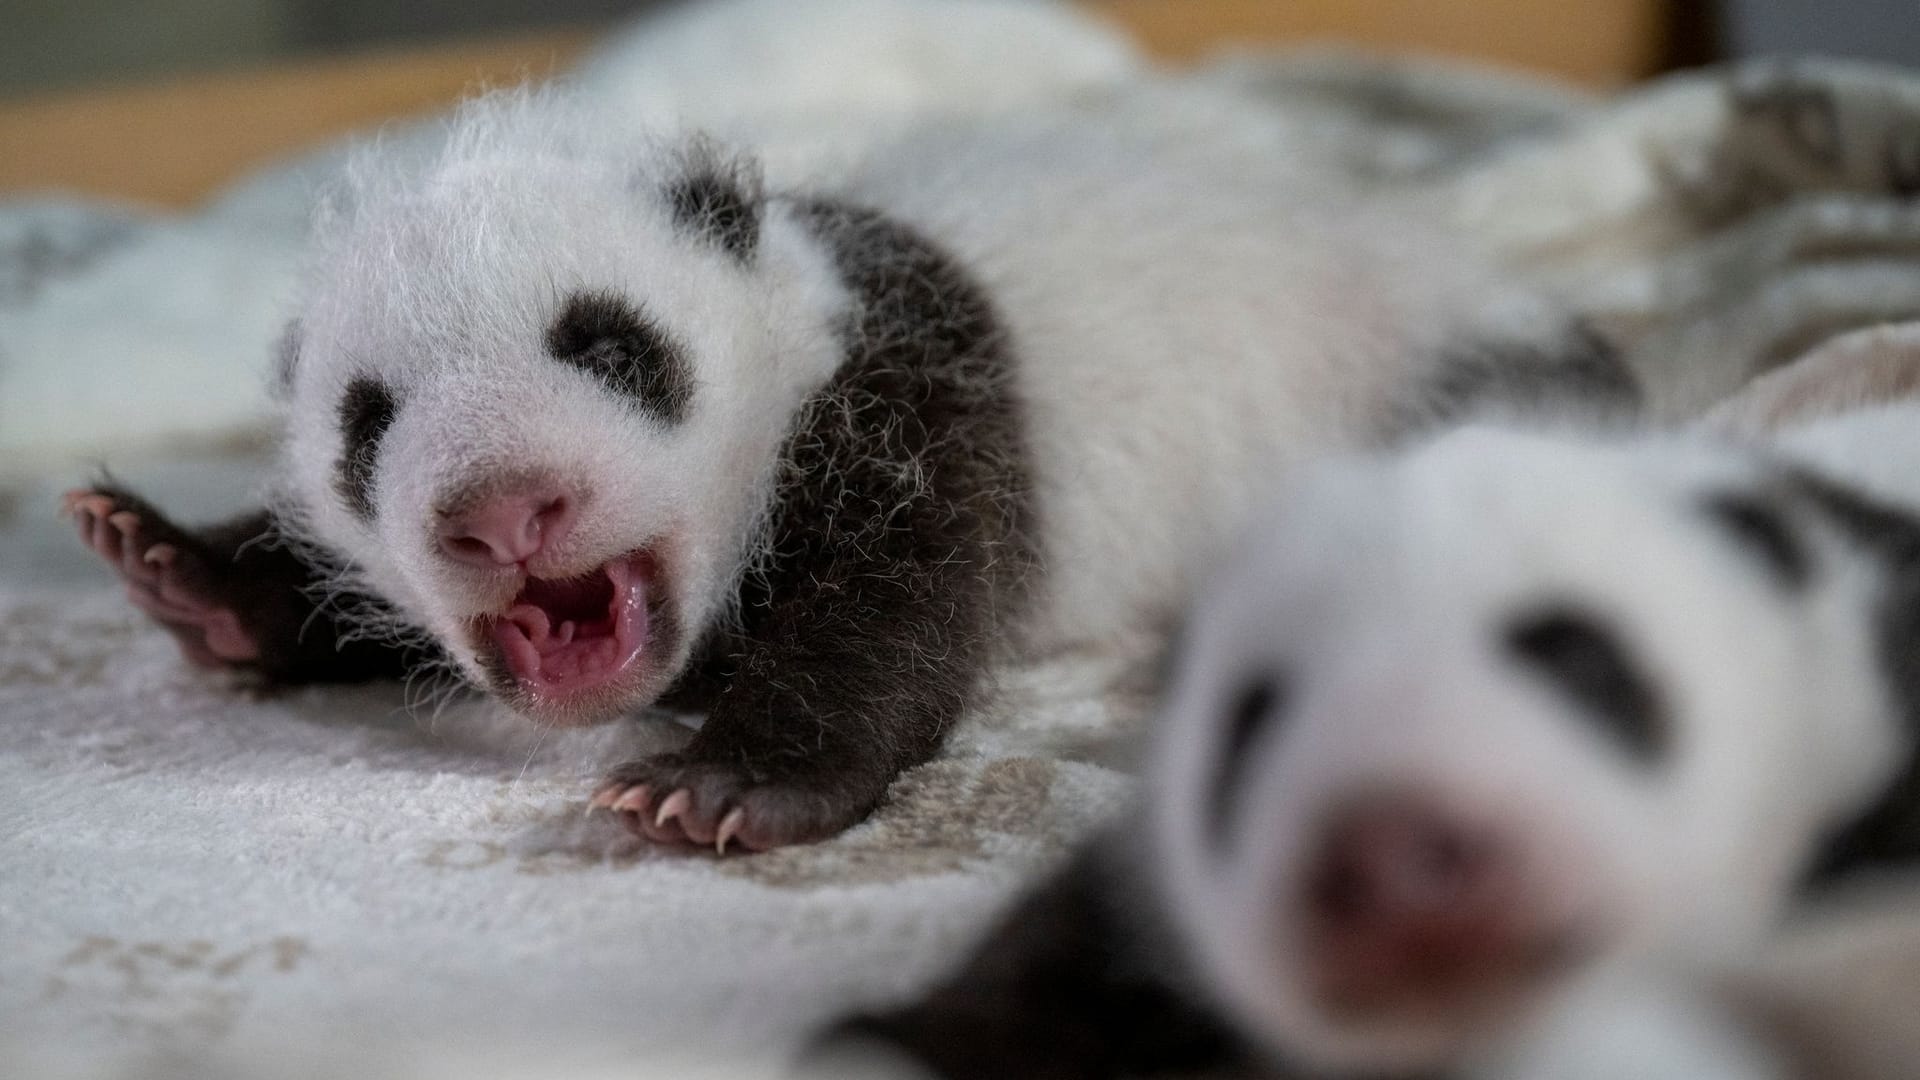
(1460, 729)
(535, 391)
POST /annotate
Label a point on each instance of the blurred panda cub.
(602, 423)
(1492, 759)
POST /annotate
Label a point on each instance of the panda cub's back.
(1183, 323)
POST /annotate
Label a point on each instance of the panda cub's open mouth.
(564, 637)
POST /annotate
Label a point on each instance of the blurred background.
(60, 44)
(89, 88)
(53, 45)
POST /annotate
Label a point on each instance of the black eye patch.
(1583, 659)
(1255, 705)
(603, 334)
(366, 412)
(1763, 530)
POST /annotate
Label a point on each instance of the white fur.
(1378, 589)
(445, 290)
(1637, 1028)
(1186, 314)
(1190, 316)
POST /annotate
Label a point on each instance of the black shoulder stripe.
(1578, 370)
(366, 412)
(1762, 529)
(718, 200)
(1886, 834)
(604, 334)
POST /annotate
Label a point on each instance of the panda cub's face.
(534, 400)
(1460, 728)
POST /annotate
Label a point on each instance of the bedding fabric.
(401, 882)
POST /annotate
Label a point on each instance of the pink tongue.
(567, 637)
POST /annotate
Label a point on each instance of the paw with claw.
(679, 800)
(164, 573)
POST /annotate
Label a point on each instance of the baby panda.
(1513, 733)
(602, 423)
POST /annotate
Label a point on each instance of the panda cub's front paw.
(164, 573)
(685, 799)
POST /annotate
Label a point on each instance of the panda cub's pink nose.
(507, 529)
(1411, 906)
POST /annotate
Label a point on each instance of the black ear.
(718, 198)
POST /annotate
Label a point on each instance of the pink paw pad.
(161, 578)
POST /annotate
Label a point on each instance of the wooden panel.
(1596, 42)
(173, 143)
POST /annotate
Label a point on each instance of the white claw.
(604, 795)
(729, 828)
(676, 804)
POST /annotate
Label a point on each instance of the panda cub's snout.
(1413, 895)
(1406, 901)
(509, 525)
(560, 626)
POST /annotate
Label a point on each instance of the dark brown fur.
(899, 542)
(1062, 988)
(244, 566)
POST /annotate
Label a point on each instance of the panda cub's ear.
(717, 196)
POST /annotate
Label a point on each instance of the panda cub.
(1489, 737)
(604, 423)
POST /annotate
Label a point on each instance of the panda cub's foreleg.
(834, 695)
(232, 595)
(898, 546)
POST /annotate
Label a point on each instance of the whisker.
(541, 738)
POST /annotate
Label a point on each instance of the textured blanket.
(387, 882)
